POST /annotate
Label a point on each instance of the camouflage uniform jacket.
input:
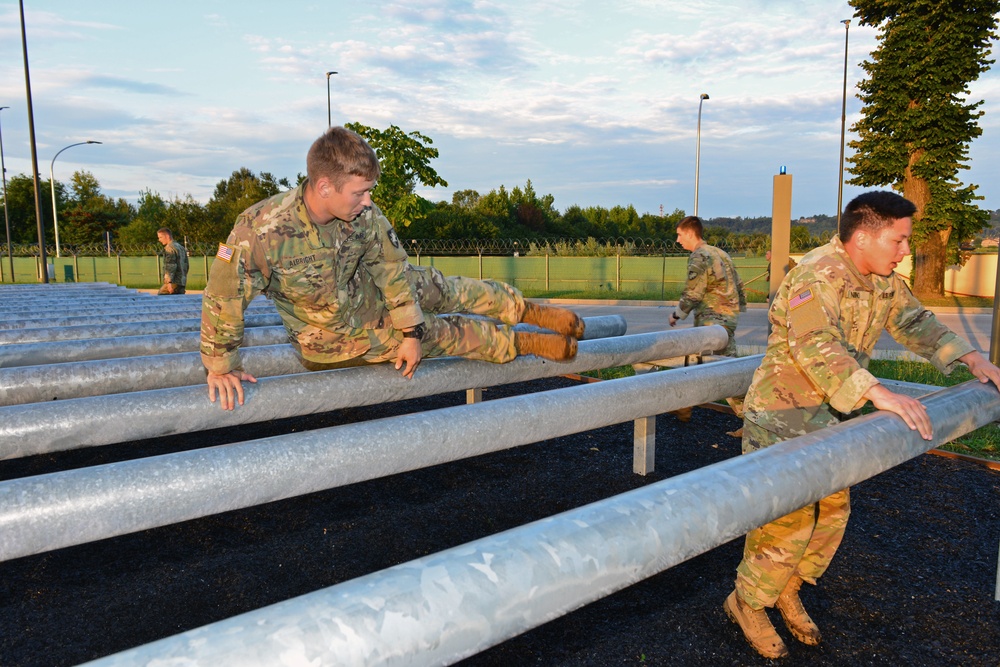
(175, 263)
(825, 320)
(338, 287)
(713, 286)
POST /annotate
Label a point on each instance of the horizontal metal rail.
(60, 509)
(513, 581)
(54, 426)
(126, 328)
(34, 384)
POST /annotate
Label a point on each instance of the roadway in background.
(974, 324)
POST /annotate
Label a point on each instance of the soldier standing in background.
(340, 279)
(826, 317)
(175, 263)
(714, 291)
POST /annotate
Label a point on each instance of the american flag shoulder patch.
(225, 253)
(800, 298)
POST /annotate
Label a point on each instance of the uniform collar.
(310, 228)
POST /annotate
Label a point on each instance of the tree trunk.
(929, 256)
(929, 265)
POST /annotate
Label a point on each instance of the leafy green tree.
(917, 122)
(21, 209)
(405, 161)
(185, 218)
(90, 214)
(234, 195)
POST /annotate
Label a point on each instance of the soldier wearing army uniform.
(826, 317)
(340, 279)
(175, 263)
(714, 291)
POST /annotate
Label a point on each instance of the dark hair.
(164, 230)
(874, 211)
(692, 223)
(340, 154)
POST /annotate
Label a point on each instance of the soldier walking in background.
(340, 279)
(714, 291)
(175, 263)
(826, 317)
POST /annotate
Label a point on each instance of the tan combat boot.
(756, 627)
(683, 415)
(560, 320)
(550, 346)
(795, 615)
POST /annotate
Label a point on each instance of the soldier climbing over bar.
(339, 276)
(827, 316)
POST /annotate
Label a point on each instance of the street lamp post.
(697, 153)
(329, 120)
(843, 123)
(6, 217)
(52, 188)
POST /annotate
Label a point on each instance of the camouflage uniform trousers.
(801, 543)
(445, 302)
(728, 322)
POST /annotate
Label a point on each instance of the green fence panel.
(648, 275)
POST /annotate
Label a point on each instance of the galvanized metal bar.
(91, 349)
(52, 511)
(508, 583)
(45, 289)
(117, 347)
(80, 308)
(54, 426)
(33, 384)
(125, 328)
(15, 324)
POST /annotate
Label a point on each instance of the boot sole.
(805, 638)
(732, 617)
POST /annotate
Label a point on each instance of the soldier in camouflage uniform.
(826, 317)
(714, 291)
(175, 263)
(346, 293)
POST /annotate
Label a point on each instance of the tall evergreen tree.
(917, 121)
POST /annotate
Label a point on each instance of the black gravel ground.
(913, 583)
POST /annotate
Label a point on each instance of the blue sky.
(595, 102)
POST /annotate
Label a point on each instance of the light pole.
(843, 122)
(52, 188)
(697, 153)
(6, 217)
(329, 121)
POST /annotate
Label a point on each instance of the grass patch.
(612, 373)
(984, 442)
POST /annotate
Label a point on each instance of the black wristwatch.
(416, 332)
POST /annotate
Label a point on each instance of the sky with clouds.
(595, 102)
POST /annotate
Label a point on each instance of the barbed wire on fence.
(564, 247)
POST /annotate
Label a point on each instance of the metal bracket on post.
(644, 446)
